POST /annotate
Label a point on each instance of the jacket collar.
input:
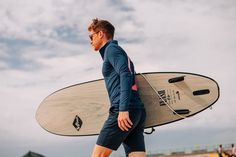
(102, 50)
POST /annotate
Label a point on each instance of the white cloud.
(37, 21)
(44, 47)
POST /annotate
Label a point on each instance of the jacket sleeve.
(119, 61)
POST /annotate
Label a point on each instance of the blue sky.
(44, 46)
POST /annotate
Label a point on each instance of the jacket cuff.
(123, 108)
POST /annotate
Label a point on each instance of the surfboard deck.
(81, 109)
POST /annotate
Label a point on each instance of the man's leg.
(137, 154)
(100, 151)
(134, 144)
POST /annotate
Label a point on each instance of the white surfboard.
(81, 109)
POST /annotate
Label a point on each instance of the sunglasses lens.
(91, 37)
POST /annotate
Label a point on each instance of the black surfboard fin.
(176, 79)
(201, 92)
(182, 111)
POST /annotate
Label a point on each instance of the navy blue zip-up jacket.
(118, 72)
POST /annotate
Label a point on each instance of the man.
(220, 151)
(125, 123)
(233, 151)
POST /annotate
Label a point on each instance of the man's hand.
(124, 121)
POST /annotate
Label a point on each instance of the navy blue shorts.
(111, 136)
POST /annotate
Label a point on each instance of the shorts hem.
(106, 146)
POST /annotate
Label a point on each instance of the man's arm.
(119, 61)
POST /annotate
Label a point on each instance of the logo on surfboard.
(169, 96)
(77, 123)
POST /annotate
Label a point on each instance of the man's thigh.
(135, 140)
(111, 136)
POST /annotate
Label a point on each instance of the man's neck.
(105, 41)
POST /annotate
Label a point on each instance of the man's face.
(96, 40)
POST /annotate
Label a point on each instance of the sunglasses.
(91, 35)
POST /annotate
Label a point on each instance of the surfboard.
(81, 109)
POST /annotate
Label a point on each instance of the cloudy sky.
(44, 46)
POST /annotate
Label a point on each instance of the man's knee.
(137, 154)
(100, 151)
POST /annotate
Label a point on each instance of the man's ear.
(101, 34)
